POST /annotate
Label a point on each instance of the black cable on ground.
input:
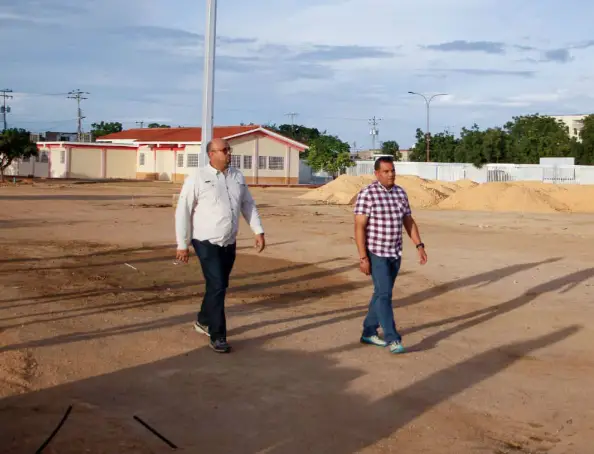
(155, 432)
(43, 446)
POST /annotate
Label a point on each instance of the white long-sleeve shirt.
(209, 205)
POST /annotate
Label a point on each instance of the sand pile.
(343, 191)
(529, 197)
(524, 196)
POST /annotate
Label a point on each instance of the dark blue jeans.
(384, 271)
(217, 263)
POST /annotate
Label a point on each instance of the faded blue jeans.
(384, 271)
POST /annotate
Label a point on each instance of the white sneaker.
(373, 340)
(396, 347)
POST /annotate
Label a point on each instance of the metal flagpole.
(209, 79)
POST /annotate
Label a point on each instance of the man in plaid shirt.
(382, 212)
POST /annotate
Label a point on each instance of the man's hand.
(260, 243)
(365, 266)
(183, 255)
(422, 255)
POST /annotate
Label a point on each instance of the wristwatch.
(420, 245)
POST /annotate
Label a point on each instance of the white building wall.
(491, 172)
(575, 123)
(59, 158)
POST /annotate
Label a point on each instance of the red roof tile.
(176, 134)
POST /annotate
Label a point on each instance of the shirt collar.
(382, 187)
(215, 171)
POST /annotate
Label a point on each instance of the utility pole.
(78, 95)
(374, 131)
(427, 133)
(292, 115)
(140, 123)
(5, 109)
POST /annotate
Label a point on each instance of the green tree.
(522, 140)
(470, 147)
(105, 128)
(583, 151)
(418, 152)
(330, 154)
(157, 125)
(15, 144)
(299, 133)
(392, 148)
(533, 136)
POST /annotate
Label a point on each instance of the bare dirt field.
(94, 313)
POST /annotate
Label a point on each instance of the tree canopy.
(104, 128)
(157, 125)
(15, 144)
(329, 154)
(522, 140)
(326, 152)
(392, 148)
(299, 133)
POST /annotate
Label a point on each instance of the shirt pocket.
(208, 191)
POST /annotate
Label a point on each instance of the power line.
(5, 109)
(78, 95)
(292, 116)
(374, 131)
(140, 123)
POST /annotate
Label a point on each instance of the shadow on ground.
(258, 400)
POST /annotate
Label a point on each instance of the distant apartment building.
(53, 136)
(367, 155)
(575, 123)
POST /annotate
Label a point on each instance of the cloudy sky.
(337, 63)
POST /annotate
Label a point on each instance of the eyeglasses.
(226, 149)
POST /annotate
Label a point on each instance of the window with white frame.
(236, 161)
(193, 160)
(180, 160)
(247, 162)
(276, 163)
(62, 156)
(44, 157)
(141, 159)
(262, 161)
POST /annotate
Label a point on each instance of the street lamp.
(427, 102)
(209, 79)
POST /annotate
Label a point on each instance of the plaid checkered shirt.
(385, 209)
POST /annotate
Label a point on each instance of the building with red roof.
(169, 154)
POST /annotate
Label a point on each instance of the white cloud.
(336, 62)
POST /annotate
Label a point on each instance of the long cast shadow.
(59, 297)
(480, 280)
(274, 401)
(481, 316)
(168, 322)
(293, 299)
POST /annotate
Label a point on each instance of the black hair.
(378, 161)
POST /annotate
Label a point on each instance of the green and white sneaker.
(373, 340)
(396, 347)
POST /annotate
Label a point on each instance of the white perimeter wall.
(489, 172)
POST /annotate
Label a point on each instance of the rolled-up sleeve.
(183, 213)
(405, 204)
(363, 203)
(250, 212)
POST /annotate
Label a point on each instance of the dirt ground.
(95, 313)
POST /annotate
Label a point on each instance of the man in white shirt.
(207, 216)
